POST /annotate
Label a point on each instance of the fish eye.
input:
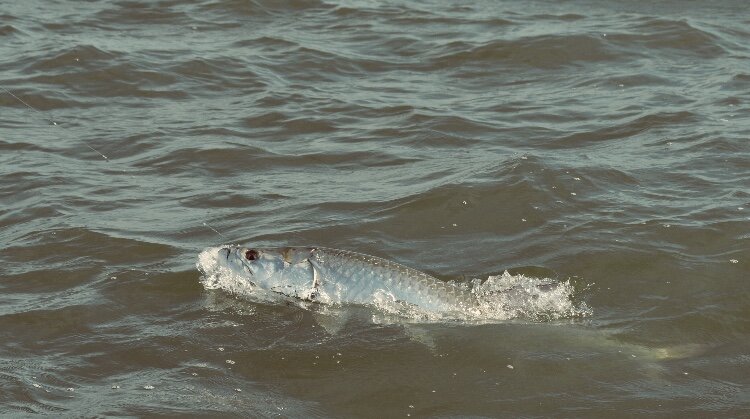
(251, 254)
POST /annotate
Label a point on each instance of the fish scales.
(340, 276)
(404, 283)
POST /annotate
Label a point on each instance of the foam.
(509, 296)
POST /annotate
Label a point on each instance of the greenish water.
(600, 143)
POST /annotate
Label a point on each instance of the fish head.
(286, 270)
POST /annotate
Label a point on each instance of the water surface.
(601, 143)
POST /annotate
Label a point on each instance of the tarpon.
(328, 275)
(340, 276)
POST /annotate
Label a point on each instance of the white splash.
(215, 276)
(507, 296)
(499, 298)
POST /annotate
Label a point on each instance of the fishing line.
(215, 230)
(50, 120)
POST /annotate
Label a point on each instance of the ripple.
(543, 52)
(260, 8)
(34, 248)
(78, 56)
(624, 130)
(6, 30)
(22, 146)
(224, 73)
(291, 125)
(137, 12)
(673, 36)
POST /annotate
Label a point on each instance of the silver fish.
(332, 275)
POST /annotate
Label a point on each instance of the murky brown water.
(605, 143)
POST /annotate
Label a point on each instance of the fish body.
(340, 276)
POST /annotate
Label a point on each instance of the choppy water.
(600, 143)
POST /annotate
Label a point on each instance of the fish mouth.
(225, 252)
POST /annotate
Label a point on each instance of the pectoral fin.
(317, 272)
(313, 293)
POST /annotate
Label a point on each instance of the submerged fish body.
(343, 277)
(339, 276)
